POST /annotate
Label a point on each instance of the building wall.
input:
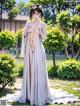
(13, 26)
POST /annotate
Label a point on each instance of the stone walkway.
(59, 96)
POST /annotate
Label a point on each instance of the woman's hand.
(24, 36)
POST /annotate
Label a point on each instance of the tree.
(78, 9)
(54, 7)
(55, 41)
(70, 24)
(23, 7)
(5, 5)
(12, 14)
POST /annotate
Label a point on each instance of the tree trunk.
(66, 53)
(72, 47)
(78, 54)
(17, 54)
(54, 63)
(10, 25)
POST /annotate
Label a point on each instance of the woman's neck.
(33, 20)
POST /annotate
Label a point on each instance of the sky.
(22, 0)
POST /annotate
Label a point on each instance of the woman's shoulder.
(43, 24)
(27, 23)
(30, 23)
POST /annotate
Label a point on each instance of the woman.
(35, 86)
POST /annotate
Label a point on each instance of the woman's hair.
(36, 8)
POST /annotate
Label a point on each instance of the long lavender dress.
(35, 85)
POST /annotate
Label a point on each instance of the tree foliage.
(7, 40)
(70, 24)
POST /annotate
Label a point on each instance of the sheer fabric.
(35, 85)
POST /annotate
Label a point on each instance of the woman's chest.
(34, 28)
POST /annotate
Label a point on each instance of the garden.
(62, 47)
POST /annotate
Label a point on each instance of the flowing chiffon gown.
(35, 84)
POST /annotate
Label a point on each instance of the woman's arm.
(24, 34)
(43, 32)
(25, 29)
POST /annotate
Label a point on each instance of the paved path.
(59, 96)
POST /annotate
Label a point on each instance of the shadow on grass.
(18, 104)
(28, 104)
(6, 91)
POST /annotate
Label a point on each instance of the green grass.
(66, 85)
(59, 59)
(27, 104)
(72, 104)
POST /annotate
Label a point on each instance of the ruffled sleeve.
(43, 33)
(23, 42)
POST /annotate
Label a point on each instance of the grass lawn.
(66, 85)
(71, 104)
(59, 59)
(27, 104)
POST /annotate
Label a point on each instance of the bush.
(20, 68)
(52, 71)
(7, 40)
(19, 37)
(7, 73)
(70, 69)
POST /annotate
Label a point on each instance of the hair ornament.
(36, 6)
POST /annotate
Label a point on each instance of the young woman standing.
(35, 85)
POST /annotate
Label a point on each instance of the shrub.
(20, 68)
(70, 69)
(52, 71)
(7, 73)
(19, 37)
(7, 40)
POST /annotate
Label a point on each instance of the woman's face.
(36, 16)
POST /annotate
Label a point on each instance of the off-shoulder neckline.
(40, 22)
